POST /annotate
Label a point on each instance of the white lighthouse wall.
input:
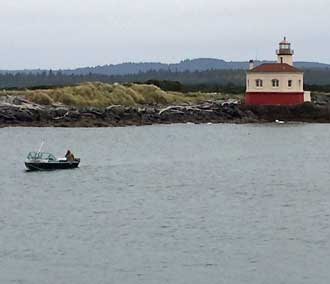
(307, 97)
(297, 82)
(288, 59)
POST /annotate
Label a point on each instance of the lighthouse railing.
(285, 52)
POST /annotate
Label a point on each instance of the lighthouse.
(285, 53)
(277, 83)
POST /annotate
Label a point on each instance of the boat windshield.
(41, 156)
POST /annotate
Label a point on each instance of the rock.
(18, 111)
(6, 115)
(72, 115)
(58, 112)
(23, 115)
(116, 109)
(93, 111)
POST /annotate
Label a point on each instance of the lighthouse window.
(259, 83)
(285, 46)
(290, 83)
(275, 83)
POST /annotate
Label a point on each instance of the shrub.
(40, 98)
(68, 99)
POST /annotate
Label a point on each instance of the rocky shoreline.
(16, 111)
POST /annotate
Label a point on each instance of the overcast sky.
(73, 33)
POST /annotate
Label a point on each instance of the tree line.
(232, 81)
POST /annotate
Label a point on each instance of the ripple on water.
(160, 204)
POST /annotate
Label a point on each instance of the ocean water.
(168, 204)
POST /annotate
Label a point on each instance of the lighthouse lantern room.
(276, 83)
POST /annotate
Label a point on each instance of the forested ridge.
(209, 80)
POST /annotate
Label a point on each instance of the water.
(168, 204)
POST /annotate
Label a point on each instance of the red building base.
(254, 98)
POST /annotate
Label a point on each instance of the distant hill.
(311, 65)
(199, 64)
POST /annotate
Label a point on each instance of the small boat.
(279, 121)
(42, 161)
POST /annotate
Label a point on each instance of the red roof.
(275, 67)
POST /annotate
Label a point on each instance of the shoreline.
(27, 114)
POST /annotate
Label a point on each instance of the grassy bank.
(102, 95)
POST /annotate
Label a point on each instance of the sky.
(60, 34)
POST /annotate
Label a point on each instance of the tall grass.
(102, 95)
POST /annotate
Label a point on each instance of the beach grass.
(103, 95)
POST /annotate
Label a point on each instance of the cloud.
(71, 33)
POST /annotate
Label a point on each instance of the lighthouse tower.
(277, 83)
(285, 53)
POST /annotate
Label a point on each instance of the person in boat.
(69, 156)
